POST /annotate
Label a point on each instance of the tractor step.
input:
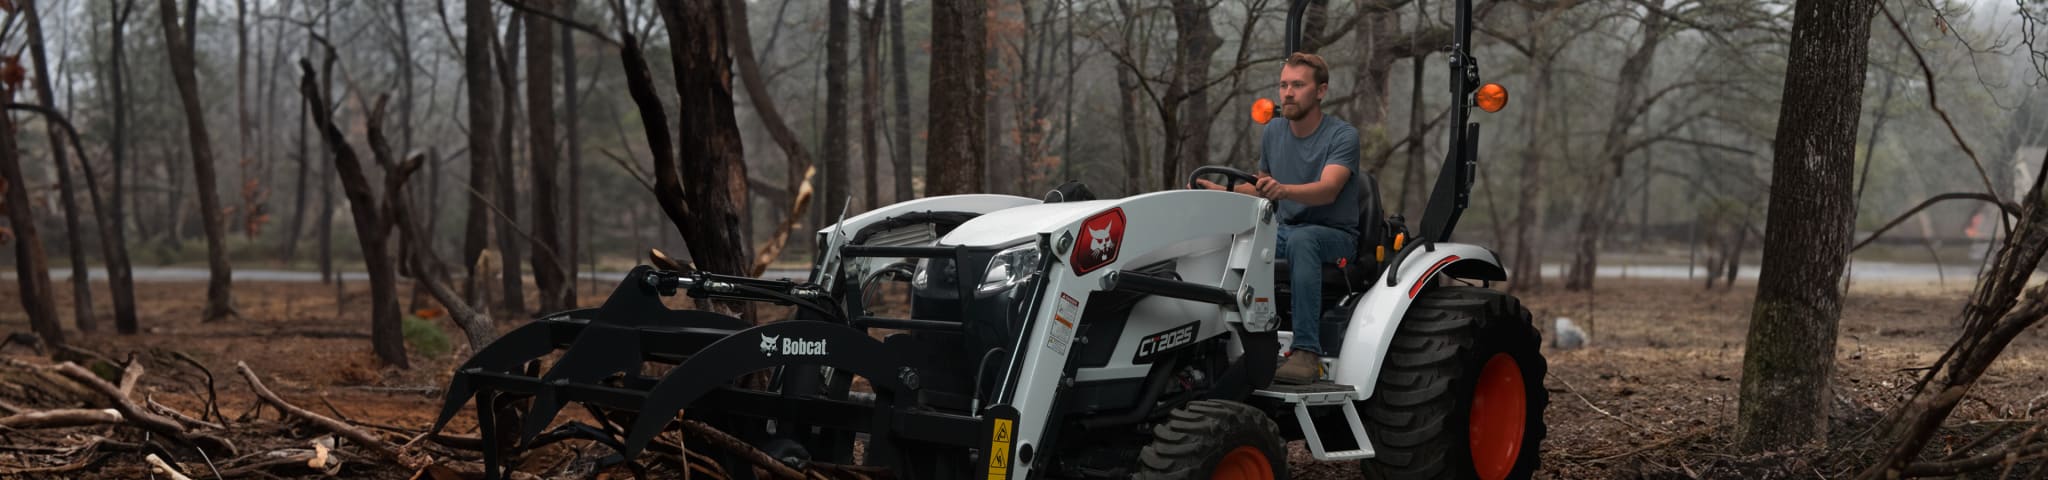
(1324, 395)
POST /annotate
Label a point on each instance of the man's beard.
(1295, 110)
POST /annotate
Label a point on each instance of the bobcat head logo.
(1101, 240)
(1100, 244)
(768, 344)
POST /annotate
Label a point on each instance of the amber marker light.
(1263, 111)
(1492, 97)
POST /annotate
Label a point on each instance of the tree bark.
(371, 227)
(32, 272)
(514, 300)
(900, 76)
(836, 145)
(1189, 145)
(954, 155)
(574, 153)
(799, 159)
(252, 196)
(708, 139)
(219, 298)
(81, 286)
(483, 131)
(870, 99)
(120, 273)
(540, 105)
(1599, 200)
(900, 64)
(290, 248)
(1789, 360)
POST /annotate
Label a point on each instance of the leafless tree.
(178, 40)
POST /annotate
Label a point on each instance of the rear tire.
(1214, 439)
(1455, 346)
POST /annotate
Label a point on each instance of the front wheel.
(1215, 439)
(1460, 395)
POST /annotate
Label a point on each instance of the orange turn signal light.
(1380, 253)
(1400, 238)
(1263, 111)
(1492, 97)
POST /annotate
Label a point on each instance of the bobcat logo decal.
(768, 345)
(1103, 235)
(1100, 244)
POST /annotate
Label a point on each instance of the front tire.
(1460, 395)
(1215, 439)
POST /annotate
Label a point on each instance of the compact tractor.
(1064, 337)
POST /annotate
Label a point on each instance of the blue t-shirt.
(1298, 160)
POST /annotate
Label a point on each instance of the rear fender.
(1372, 326)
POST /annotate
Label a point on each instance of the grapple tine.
(598, 352)
(503, 355)
(760, 348)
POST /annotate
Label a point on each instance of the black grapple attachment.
(608, 350)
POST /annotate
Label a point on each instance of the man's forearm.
(1308, 194)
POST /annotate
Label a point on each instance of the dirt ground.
(1653, 396)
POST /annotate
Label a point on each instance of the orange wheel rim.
(1499, 414)
(1244, 463)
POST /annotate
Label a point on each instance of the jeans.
(1306, 248)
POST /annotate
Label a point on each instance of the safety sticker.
(999, 449)
(1064, 317)
(1262, 309)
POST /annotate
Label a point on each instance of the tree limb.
(353, 434)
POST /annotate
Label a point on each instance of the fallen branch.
(189, 422)
(135, 414)
(157, 465)
(773, 247)
(61, 418)
(131, 374)
(30, 471)
(353, 434)
(212, 397)
(739, 447)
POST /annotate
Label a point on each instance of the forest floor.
(1654, 395)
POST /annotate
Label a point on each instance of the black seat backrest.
(1373, 232)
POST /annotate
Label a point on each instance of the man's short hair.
(1311, 61)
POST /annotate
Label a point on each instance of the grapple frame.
(605, 350)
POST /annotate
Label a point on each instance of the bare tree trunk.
(483, 131)
(1527, 259)
(81, 286)
(219, 298)
(120, 273)
(575, 157)
(1599, 203)
(799, 159)
(371, 227)
(31, 268)
(1790, 354)
(252, 205)
(326, 213)
(870, 99)
(289, 249)
(508, 195)
(1127, 117)
(1189, 145)
(836, 144)
(954, 155)
(709, 148)
(900, 64)
(540, 104)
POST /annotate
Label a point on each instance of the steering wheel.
(1231, 176)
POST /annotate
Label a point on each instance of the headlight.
(1008, 268)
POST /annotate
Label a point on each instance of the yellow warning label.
(999, 450)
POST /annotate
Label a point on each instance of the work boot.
(1302, 368)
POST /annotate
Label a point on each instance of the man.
(1308, 163)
